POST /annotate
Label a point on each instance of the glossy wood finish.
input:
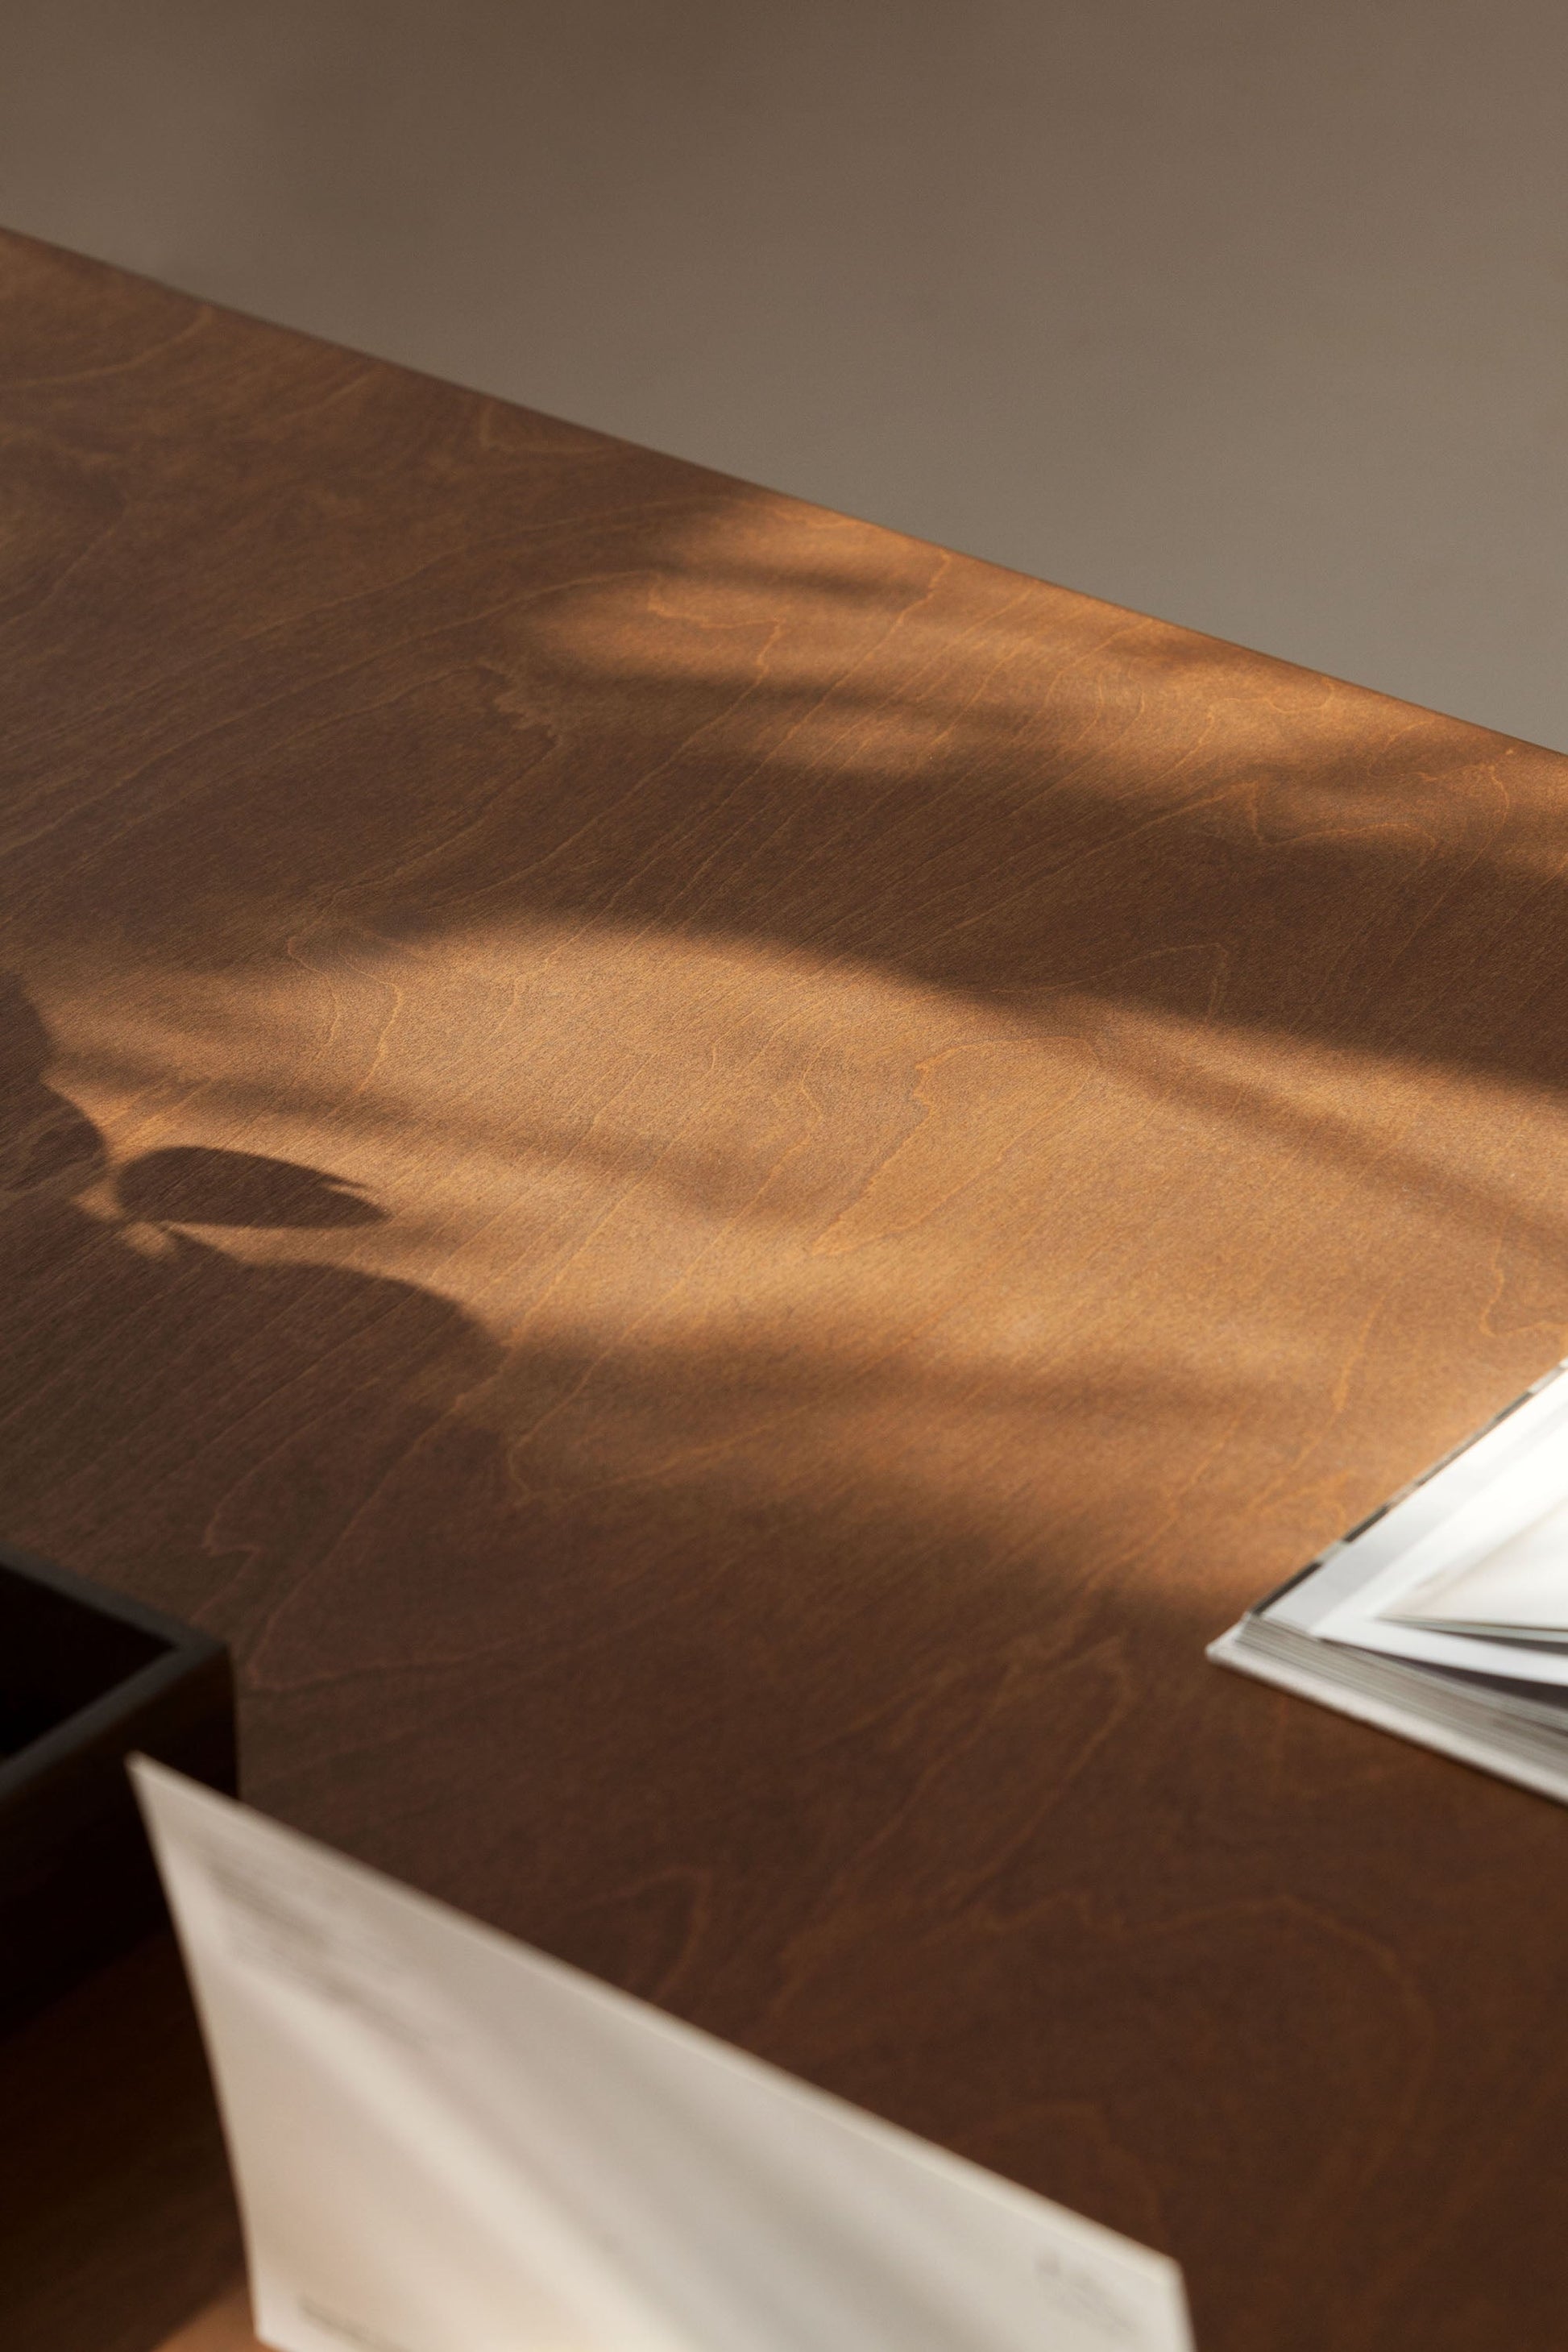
(716, 1182)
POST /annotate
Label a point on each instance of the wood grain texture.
(716, 1182)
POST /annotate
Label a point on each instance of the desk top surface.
(716, 1182)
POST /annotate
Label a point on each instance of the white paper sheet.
(446, 2142)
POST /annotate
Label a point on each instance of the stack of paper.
(1445, 1615)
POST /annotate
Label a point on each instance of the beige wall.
(1251, 315)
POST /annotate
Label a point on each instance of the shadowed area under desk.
(716, 1182)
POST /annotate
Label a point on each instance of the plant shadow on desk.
(197, 1185)
(809, 1632)
(105, 2094)
(704, 1668)
(966, 779)
(238, 1346)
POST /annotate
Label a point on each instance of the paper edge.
(1385, 1715)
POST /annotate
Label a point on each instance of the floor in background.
(1254, 318)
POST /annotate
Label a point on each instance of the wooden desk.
(716, 1182)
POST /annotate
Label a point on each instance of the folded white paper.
(446, 2142)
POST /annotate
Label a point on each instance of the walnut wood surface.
(718, 1183)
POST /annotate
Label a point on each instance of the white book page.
(444, 2141)
(1495, 1565)
(1522, 1586)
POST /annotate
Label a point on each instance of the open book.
(1444, 1616)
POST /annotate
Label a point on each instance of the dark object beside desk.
(753, 1174)
(85, 1677)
